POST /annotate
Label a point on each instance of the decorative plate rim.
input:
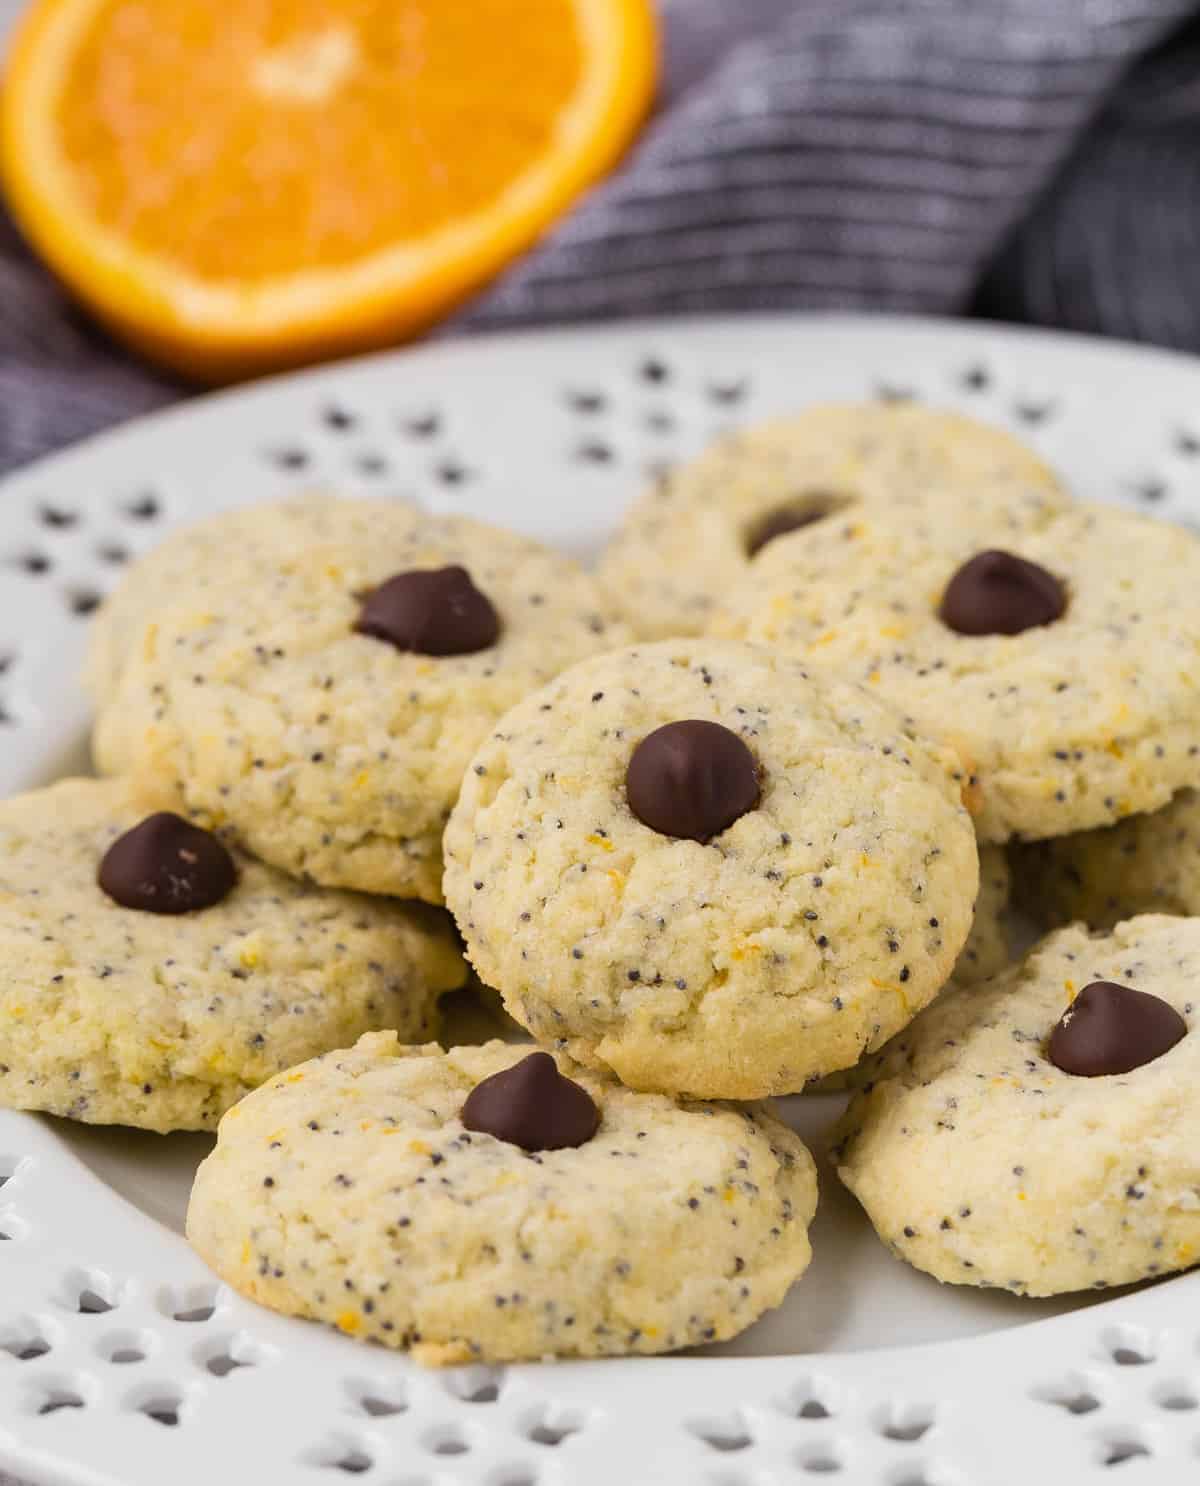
(286, 1372)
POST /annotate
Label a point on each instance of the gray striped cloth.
(1021, 159)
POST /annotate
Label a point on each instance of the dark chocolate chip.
(166, 865)
(532, 1105)
(691, 780)
(789, 518)
(430, 611)
(1111, 1028)
(996, 593)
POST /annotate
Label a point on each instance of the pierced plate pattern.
(122, 1361)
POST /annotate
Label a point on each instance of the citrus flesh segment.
(240, 187)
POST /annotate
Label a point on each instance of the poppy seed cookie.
(986, 951)
(1043, 1121)
(1143, 864)
(321, 701)
(162, 1015)
(1063, 673)
(189, 561)
(359, 1190)
(796, 886)
(689, 539)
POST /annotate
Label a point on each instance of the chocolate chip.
(1111, 1028)
(996, 593)
(789, 518)
(430, 611)
(691, 780)
(532, 1105)
(166, 865)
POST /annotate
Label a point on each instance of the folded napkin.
(1028, 159)
(1023, 159)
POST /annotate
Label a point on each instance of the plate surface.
(870, 1372)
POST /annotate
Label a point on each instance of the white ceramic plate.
(122, 1362)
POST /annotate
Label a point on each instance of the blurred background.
(201, 193)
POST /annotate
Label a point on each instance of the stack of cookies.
(1027, 1131)
(288, 700)
(740, 816)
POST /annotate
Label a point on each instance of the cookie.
(322, 702)
(362, 1189)
(986, 951)
(1143, 864)
(1043, 1121)
(152, 975)
(1062, 672)
(191, 560)
(689, 539)
(699, 867)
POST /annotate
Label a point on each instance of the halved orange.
(236, 187)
